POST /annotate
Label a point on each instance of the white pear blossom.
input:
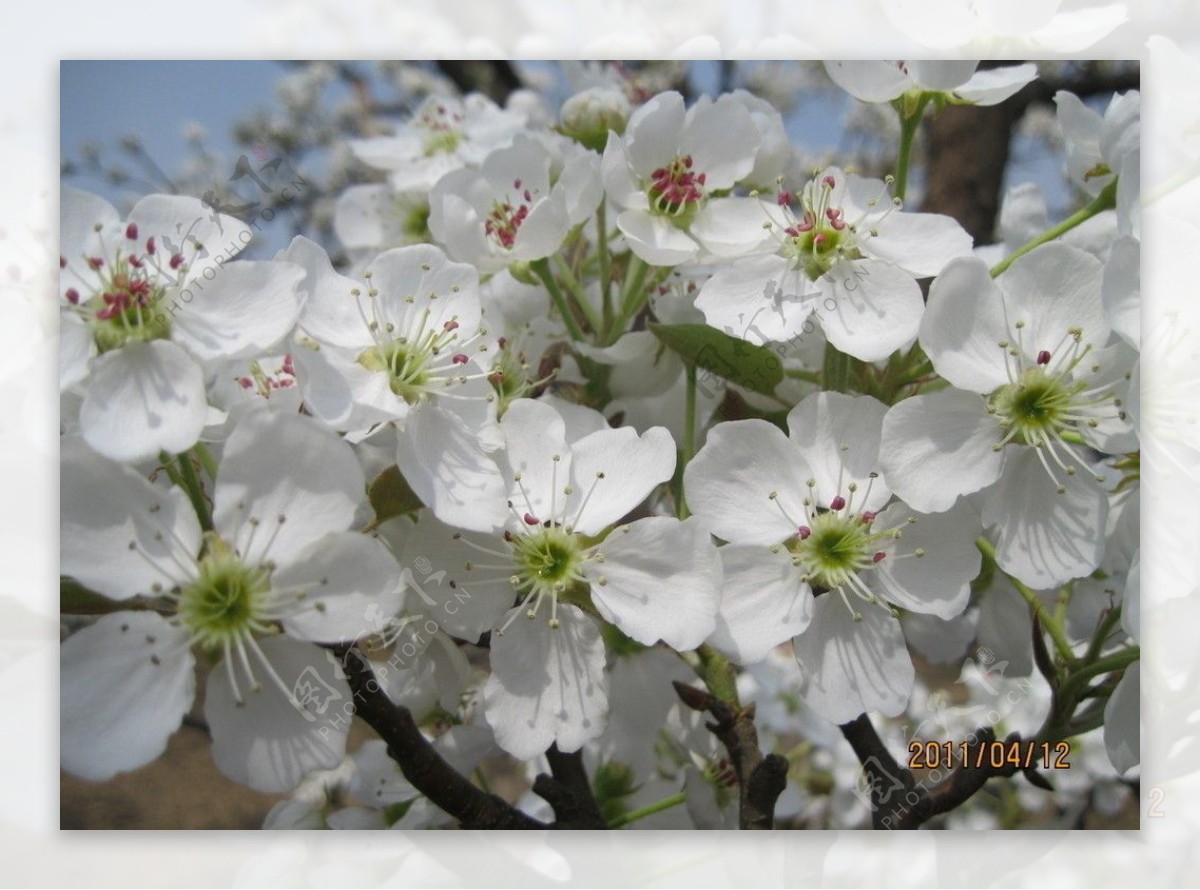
(846, 253)
(1032, 384)
(444, 133)
(958, 81)
(147, 304)
(278, 572)
(661, 173)
(517, 207)
(559, 557)
(409, 342)
(817, 553)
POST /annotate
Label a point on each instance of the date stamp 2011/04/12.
(994, 754)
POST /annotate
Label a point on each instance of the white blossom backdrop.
(1162, 853)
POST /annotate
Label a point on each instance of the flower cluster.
(575, 411)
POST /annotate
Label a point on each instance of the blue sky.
(103, 101)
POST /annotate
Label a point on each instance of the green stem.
(576, 291)
(1106, 200)
(605, 261)
(649, 810)
(689, 437)
(909, 124)
(718, 674)
(835, 375)
(200, 450)
(190, 483)
(541, 268)
(1061, 643)
(1107, 623)
(800, 374)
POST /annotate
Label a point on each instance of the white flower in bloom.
(660, 174)
(879, 81)
(817, 554)
(444, 134)
(375, 216)
(278, 572)
(517, 207)
(1101, 150)
(1032, 384)
(845, 254)
(559, 558)
(147, 303)
(410, 344)
(992, 27)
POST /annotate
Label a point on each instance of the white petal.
(186, 226)
(942, 75)
(663, 581)
(445, 582)
(142, 399)
(758, 299)
(963, 323)
(535, 435)
(873, 81)
(246, 309)
(450, 472)
(105, 508)
(721, 139)
(732, 227)
(1055, 289)
(547, 685)
(279, 465)
(851, 667)
(125, 684)
(992, 86)
(420, 290)
(1044, 538)
(825, 422)
(919, 243)
(543, 230)
(330, 313)
(763, 603)
(347, 579)
(76, 349)
(620, 185)
(938, 446)
(618, 468)
(1005, 634)
(1123, 723)
(870, 309)
(939, 641)
(937, 583)
(655, 239)
(80, 213)
(1122, 290)
(653, 132)
(325, 391)
(279, 736)
(729, 482)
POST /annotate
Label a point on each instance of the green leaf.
(391, 496)
(397, 811)
(75, 599)
(756, 368)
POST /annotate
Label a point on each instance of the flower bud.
(588, 116)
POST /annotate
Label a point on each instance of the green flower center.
(442, 142)
(834, 547)
(227, 601)
(1034, 408)
(548, 559)
(405, 365)
(125, 307)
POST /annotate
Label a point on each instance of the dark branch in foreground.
(899, 801)
(760, 779)
(420, 763)
(569, 792)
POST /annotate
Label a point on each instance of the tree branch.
(569, 792)
(418, 760)
(760, 779)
